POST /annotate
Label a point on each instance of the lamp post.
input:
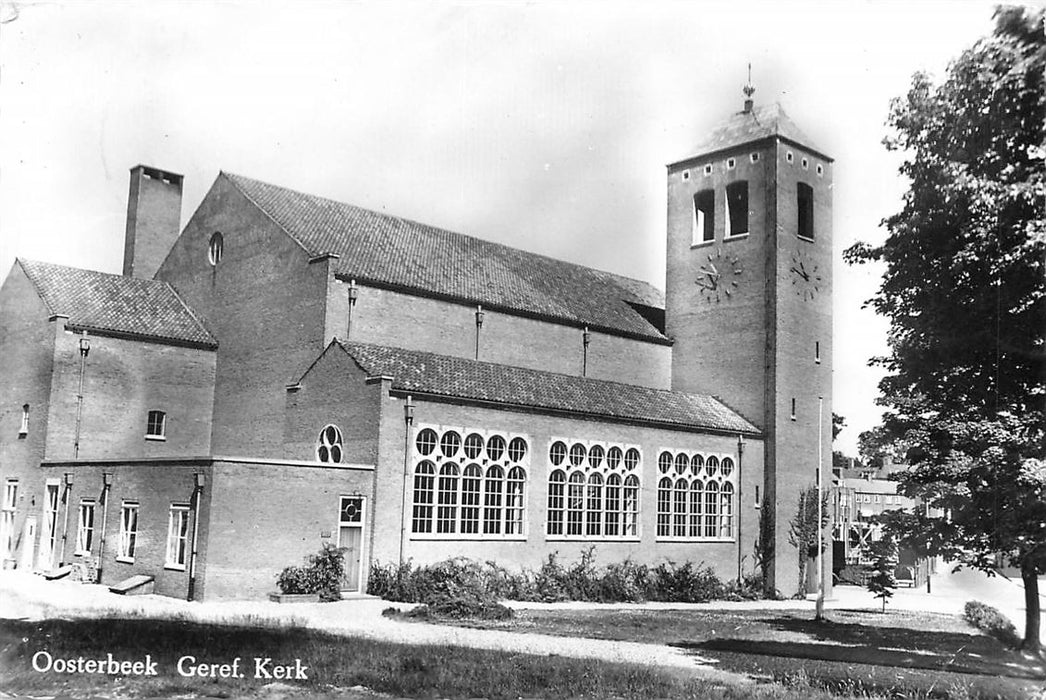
(354, 295)
(479, 327)
(408, 421)
(586, 338)
(199, 478)
(740, 515)
(85, 347)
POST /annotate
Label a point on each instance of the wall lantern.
(85, 345)
(408, 411)
(68, 478)
(107, 479)
(479, 317)
(354, 293)
(199, 478)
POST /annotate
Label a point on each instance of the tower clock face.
(720, 277)
(806, 276)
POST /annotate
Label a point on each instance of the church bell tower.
(749, 301)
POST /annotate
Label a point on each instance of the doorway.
(351, 521)
(49, 536)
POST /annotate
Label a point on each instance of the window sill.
(125, 560)
(156, 438)
(81, 554)
(737, 237)
(702, 244)
(804, 238)
(174, 567)
(591, 538)
(450, 537)
(697, 540)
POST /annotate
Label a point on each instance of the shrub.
(463, 607)
(321, 574)
(988, 619)
(684, 584)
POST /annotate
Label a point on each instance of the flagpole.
(820, 533)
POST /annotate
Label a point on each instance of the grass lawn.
(896, 654)
(338, 666)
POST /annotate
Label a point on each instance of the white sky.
(544, 125)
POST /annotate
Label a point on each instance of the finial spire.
(748, 90)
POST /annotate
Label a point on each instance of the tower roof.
(746, 126)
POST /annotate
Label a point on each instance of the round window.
(214, 248)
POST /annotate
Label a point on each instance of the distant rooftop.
(115, 304)
(386, 250)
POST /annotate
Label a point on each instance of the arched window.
(664, 507)
(711, 509)
(630, 513)
(575, 503)
(495, 447)
(214, 248)
(471, 487)
(697, 494)
(557, 453)
(613, 506)
(679, 511)
(726, 510)
(426, 441)
(514, 500)
(473, 445)
(726, 467)
(424, 478)
(577, 454)
(594, 507)
(493, 486)
(447, 499)
(614, 456)
(664, 462)
(449, 443)
(556, 481)
(329, 447)
(682, 463)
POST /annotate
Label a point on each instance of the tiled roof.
(387, 250)
(745, 127)
(104, 302)
(455, 377)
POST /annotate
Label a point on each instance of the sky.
(543, 125)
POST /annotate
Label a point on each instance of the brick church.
(287, 371)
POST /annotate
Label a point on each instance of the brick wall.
(264, 303)
(27, 341)
(408, 321)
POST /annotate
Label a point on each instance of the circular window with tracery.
(329, 449)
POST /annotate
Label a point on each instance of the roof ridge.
(36, 284)
(191, 310)
(414, 222)
(231, 177)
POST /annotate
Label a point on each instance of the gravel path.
(26, 596)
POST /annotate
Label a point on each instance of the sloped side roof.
(454, 377)
(116, 304)
(384, 249)
(744, 127)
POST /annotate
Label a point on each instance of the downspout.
(198, 481)
(107, 481)
(739, 510)
(408, 421)
(85, 347)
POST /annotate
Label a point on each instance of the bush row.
(624, 581)
(988, 619)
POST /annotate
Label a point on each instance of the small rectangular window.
(85, 530)
(128, 532)
(806, 164)
(177, 537)
(686, 175)
(156, 426)
(737, 208)
(789, 157)
(24, 429)
(731, 163)
(817, 351)
(793, 409)
(708, 169)
(704, 217)
(805, 210)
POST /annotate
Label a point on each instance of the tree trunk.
(1030, 577)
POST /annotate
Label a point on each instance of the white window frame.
(696, 501)
(463, 490)
(7, 518)
(177, 554)
(128, 544)
(150, 425)
(580, 486)
(85, 527)
(23, 430)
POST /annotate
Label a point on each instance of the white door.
(50, 534)
(351, 521)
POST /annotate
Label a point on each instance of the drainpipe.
(198, 481)
(85, 347)
(67, 480)
(479, 327)
(107, 482)
(586, 338)
(408, 421)
(739, 513)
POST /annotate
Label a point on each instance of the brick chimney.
(154, 212)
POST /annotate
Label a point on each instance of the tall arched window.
(575, 503)
(711, 509)
(630, 509)
(514, 499)
(664, 507)
(424, 478)
(697, 494)
(471, 487)
(726, 510)
(613, 506)
(679, 510)
(594, 506)
(493, 485)
(447, 499)
(556, 481)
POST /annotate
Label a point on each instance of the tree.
(881, 581)
(802, 530)
(963, 289)
(838, 423)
